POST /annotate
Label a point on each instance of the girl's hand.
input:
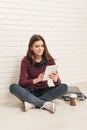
(54, 76)
(39, 78)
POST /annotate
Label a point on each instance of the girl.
(32, 89)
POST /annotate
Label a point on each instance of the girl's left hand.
(54, 76)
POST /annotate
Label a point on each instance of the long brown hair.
(30, 54)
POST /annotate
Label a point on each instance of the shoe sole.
(53, 108)
(26, 107)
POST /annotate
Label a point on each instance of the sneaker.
(28, 106)
(50, 106)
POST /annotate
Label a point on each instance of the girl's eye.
(42, 46)
(37, 46)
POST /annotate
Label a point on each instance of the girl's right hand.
(39, 78)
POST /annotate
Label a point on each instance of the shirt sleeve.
(23, 79)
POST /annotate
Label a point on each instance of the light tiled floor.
(66, 117)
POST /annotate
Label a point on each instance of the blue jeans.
(40, 96)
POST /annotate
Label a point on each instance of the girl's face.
(38, 48)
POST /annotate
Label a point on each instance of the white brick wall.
(63, 24)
